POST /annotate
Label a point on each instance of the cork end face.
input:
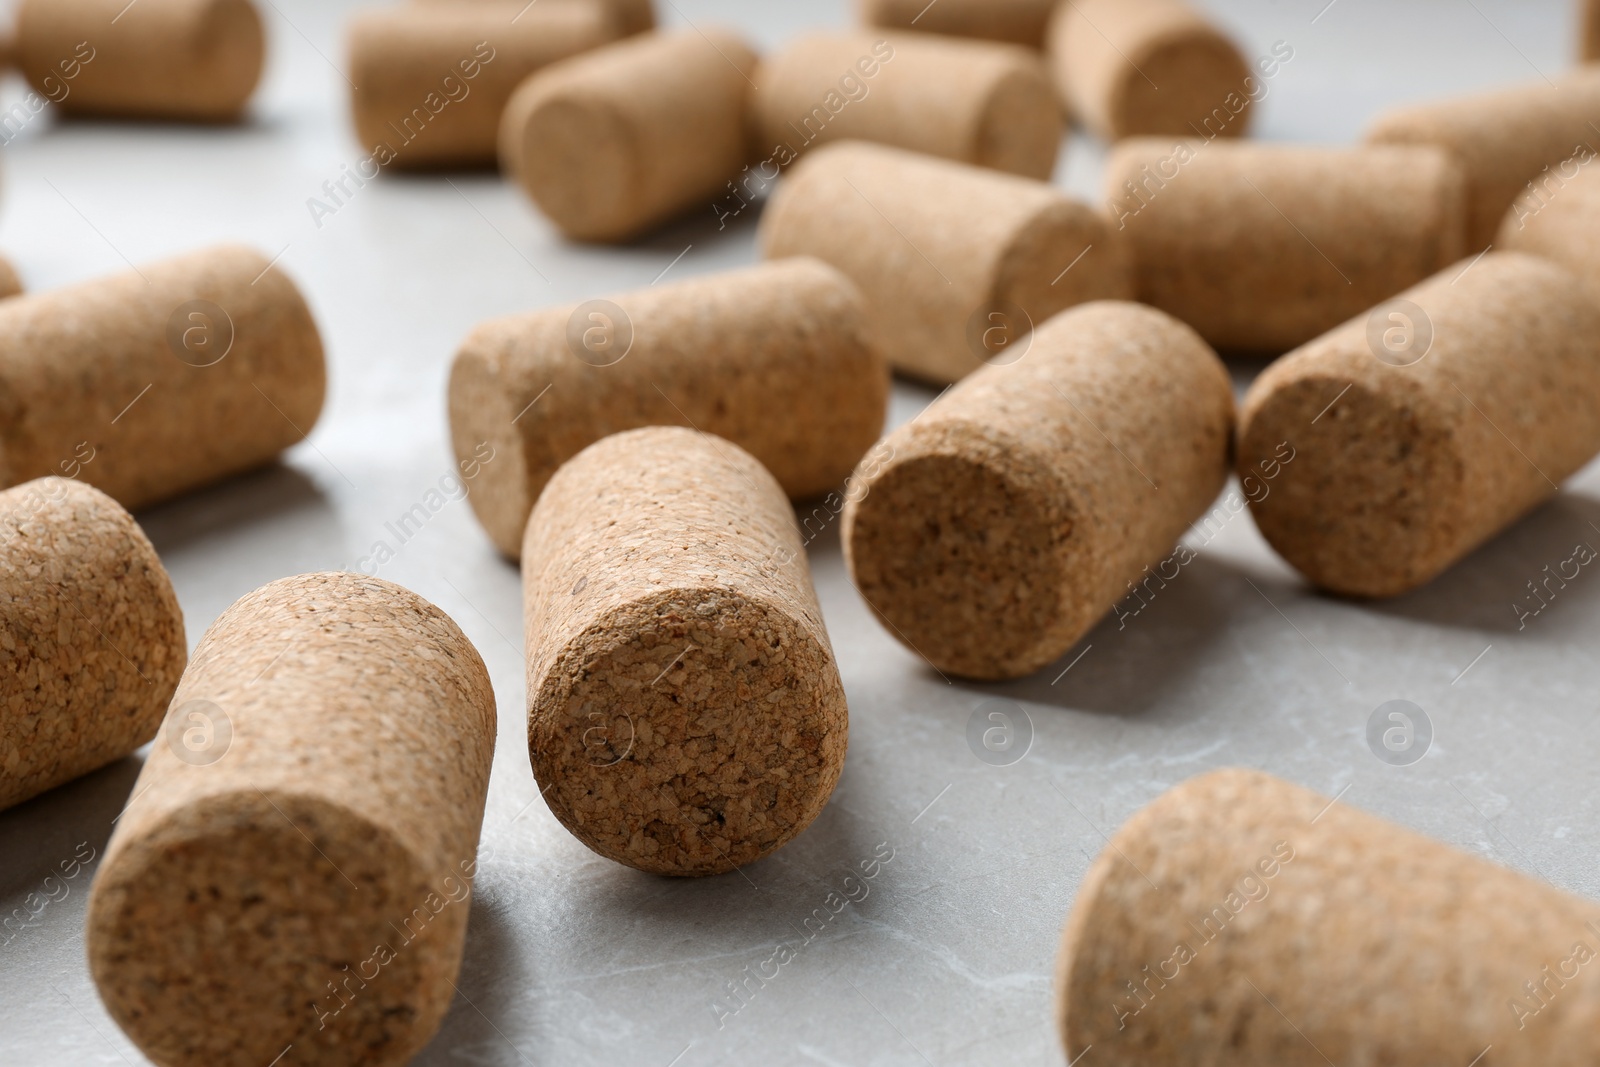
(1022, 124)
(232, 47)
(485, 436)
(1202, 90)
(575, 157)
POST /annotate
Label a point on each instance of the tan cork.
(1589, 45)
(685, 713)
(160, 380)
(1242, 920)
(431, 80)
(1425, 427)
(195, 60)
(1503, 138)
(971, 101)
(614, 143)
(1263, 247)
(92, 640)
(631, 16)
(957, 263)
(1557, 217)
(296, 863)
(774, 358)
(1012, 21)
(1013, 513)
(1128, 68)
(10, 281)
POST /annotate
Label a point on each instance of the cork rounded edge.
(1194, 55)
(1021, 124)
(1038, 269)
(574, 155)
(481, 406)
(230, 45)
(10, 281)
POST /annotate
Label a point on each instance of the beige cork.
(431, 81)
(1011, 515)
(296, 863)
(1589, 42)
(10, 281)
(612, 144)
(1264, 247)
(195, 60)
(1242, 920)
(159, 380)
(774, 358)
(1134, 67)
(630, 16)
(1012, 21)
(1503, 138)
(91, 637)
(1557, 216)
(685, 714)
(972, 101)
(1422, 429)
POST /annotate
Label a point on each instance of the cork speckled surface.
(1013, 21)
(1558, 218)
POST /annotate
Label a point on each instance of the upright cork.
(1240, 919)
(1425, 427)
(431, 80)
(957, 263)
(1128, 68)
(1018, 509)
(971, 101)
(774, 358)
(194, 60)
(92, 642)
(630, 16)
(296, 864)
(1557, 217)
(685, 714)
(1012, 21)
(614, 143)
(171, 376)
(1264, 247)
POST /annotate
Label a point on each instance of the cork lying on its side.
(1018, 509)
(774, 358)
(297, 861)
(631, 16)
(971, 101)
(1422, 429)
(1242, 920)
(93, 637)
(685, 714)
(151, 383)
(1558, 217)
(1013, 21)
(1263, 247)
(196, 60)
(10, 282)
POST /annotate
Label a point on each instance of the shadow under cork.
(718, 219)
(277, 492)
(486, 1009)
(38, 835)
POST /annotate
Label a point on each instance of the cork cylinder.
(1144, 67)
(630, 16)
(685, 714)
(194, 60)
(431, 80)
(774, 358)
(972, 101)
(296, 865)
(1589, 46)
(10, 282)
(1240, 919)
(1557, 216)
(93, 643)
(1012, 21)
(614, 143)
(1425, 427)
(1263, 247)
(174, 375)
(1016, 510)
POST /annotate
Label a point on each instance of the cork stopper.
(1011, 21)
(10, 281)
(1589, 40)
(630, 16)
(685, 714)
(1557, 216)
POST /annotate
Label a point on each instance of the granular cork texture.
(195, 60)
(1263, 247)
(1414, 466)
(775, 358)
(297, 861)
(1012, 21)
(614, 143)
(1557, 217)
(957, 263)
(974, 102)
(10, 282)
(91, 637)
(1017, 510)
(431, 81)
(151, 383)
(630, 16)
(1242, 920)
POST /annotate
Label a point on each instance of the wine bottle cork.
(431, 81)
(1012, 21)
(621, 140)
(685, 714)
(1263, 247)
(1589, 48)
(195, 60)
(1557, 216)
(176, 375)
(1425, 427)
(972, 101)
(93, 643)
(1128, 68)
(630, 16)
(1240, 919)
(958, 263)
(1013, 513)
(10, 282)
(774, 358)
(296, 864)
